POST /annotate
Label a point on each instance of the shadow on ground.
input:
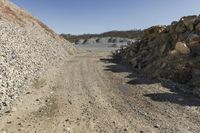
(174, 96)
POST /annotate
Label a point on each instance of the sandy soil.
(91, 94)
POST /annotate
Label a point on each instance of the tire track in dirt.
(89, 95)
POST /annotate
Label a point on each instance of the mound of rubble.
(170, 52)
(27, 49)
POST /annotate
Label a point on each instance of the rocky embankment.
(105, 41)
(27, 49)
(170, 52)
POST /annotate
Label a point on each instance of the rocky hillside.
(170, 52)
(27, 49)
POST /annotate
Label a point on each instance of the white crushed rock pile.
(79, 42)
(90, 41)
(170, 52)
(105, 41)
(27, 49)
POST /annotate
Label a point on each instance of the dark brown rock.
(189, 21)
(171, 52)
(195, 47)
(197, 27)
(180, 27)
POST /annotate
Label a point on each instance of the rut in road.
(90, 93)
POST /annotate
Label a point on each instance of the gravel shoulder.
(90, 94)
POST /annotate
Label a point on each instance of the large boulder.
(194, 38)
(182, 48)
(197, 27)
(180, 27)
(195, 47)
(189, 22)
(152, 32)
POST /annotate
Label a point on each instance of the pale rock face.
(105, 41)
(90, 41)
(173, 53)
(80, 41)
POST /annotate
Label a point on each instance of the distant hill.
(131, 34)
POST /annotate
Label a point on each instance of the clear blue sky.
(95, 16)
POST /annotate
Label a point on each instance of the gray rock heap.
(170, 52)
(105, 41)
(27, 49)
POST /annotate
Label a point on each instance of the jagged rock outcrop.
(27, 49)
(170, 52)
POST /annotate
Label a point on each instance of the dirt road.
(90, 94)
